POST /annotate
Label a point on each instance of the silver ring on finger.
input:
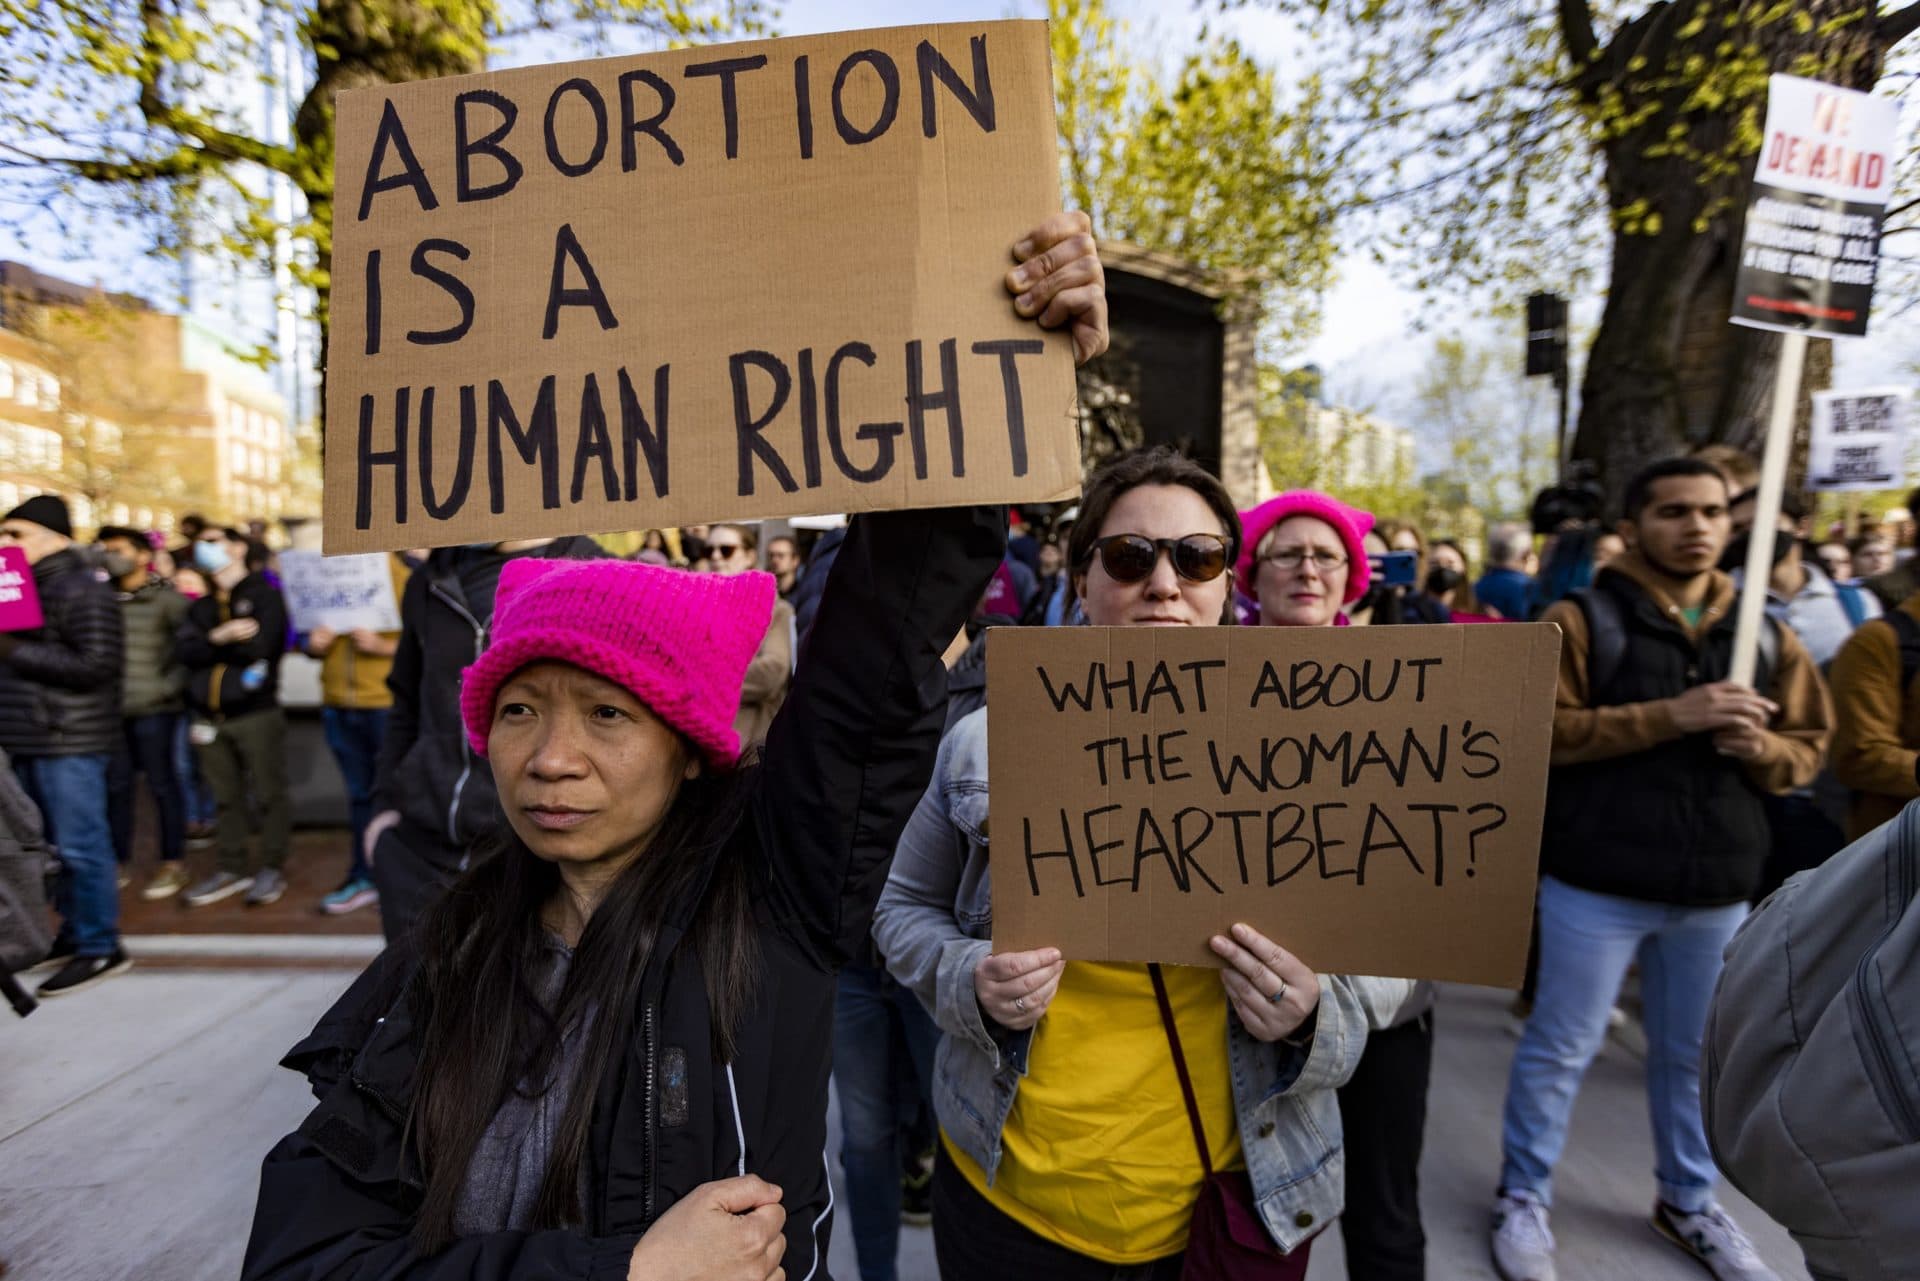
(1020, 1004)
(1281, 995)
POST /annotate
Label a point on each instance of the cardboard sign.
(19, 594)
(340, 593)
(753, 280)
(1370, 798)
(1858, 440)
(1812, 243)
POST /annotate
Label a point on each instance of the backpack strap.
(1606, 636)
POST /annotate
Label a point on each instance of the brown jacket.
(1878, 725)
(768, 675)
(1581, 733)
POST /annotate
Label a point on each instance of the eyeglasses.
(1291, 558)
(1129, 558)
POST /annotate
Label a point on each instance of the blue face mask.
(211, 556)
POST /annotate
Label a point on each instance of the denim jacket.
(935, 923)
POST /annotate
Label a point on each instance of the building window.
(6, 381)
(49, 392)
(236, 457)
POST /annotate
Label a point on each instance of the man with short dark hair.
(60, 723)
(1892, 583)
(152, 699)
(1655, 836)
(783, 562)
(231, 645)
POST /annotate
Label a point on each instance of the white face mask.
(211, 556)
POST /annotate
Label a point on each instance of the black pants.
(1803, 837)
(973, 1241)
(411, 866)
(247, 763)
(147, 748)
(1383, 1112)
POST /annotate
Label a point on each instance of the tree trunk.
(1668, 371)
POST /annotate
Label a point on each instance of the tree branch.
(1894, 27)
(1576, 30)
(221, 144)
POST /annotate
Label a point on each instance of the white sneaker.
(1713, 1238)
(1522, 1241)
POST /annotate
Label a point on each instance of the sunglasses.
(725, 551)
(1130, 558)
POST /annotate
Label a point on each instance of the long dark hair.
(1147, 465)
(484, 1028)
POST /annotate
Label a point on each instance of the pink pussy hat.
(680, 641)
(1350, 523)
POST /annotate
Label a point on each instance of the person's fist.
(1059, 281)
(1721, 705)
(1743, 743)
(376, 828)
(727, 1230)
(1015, 988)
(320, 640)
(365, 640)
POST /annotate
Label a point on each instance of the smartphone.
(1394, 569)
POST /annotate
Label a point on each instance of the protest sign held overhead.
(1812, 243)
(1858, 439)
(749, 280)
(340, 593)
(19, 595)
(1371, 799)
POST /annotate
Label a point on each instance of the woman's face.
(1405, 540)
(586, 773)
(1294, 588)
(1447, 557)
(1050, 558)
(1162, 598)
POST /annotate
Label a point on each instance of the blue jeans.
(71, 792)
(196, 797)
(882, 1037)
(355, 734)
(148, 749)
(1587, 940)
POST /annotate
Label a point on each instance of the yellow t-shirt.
(1097, 1154)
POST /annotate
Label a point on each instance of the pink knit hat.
(680, 641)
(1350, 523)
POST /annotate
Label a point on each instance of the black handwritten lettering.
(368, 459)
(881, 434)
(1377, 817)
(594, 443)
(455, 288)
(803, 105)
(1439, 836)
(747, 426)
(1142, 851)
(595, 104)
(1187, 867)
(373, 302)
(1034, 856)
(1473, 838)
(1470, 747)
(920, 401)
(640, 436)
(411, 176)
(889, 100)
(1095, 848)
(466, 146)
(1008, 351)
(977, 98)
(809, 421)
(1292, 837)
(654, 126)
(436, 507)
(1324, 843)
(1240, 840)
(1199, 669)
(726, 69)
(538, 443)
(1420, 665)
(566, 248)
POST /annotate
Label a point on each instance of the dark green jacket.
(155, 682)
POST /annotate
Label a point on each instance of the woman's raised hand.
(1272, 991)
(1015, 988)
(727, 1230)
(1059, 280)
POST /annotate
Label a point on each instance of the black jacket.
(846, 762)
(805, 598)
(1678, 823)
(218, 680)
(60, 683)
(426, 770)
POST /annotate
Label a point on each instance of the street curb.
(355, 948)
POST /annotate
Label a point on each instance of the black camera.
(1578, 500)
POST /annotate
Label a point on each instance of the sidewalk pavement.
(133, 1118)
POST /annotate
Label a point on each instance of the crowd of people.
(638, 836)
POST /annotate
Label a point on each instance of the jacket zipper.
(1871, 1013)
(466, 752)
(219, 669)
(649, 1149)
